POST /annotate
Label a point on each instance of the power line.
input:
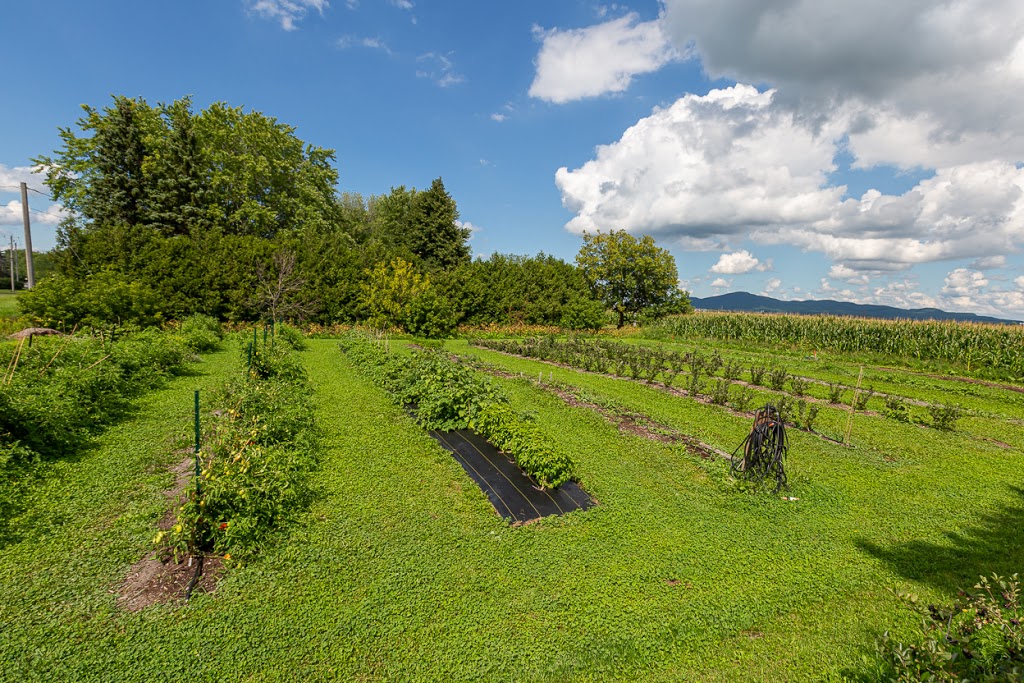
(17, 188)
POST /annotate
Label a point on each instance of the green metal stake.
(198, 471)
(264, 334)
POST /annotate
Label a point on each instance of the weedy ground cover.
(400, 569)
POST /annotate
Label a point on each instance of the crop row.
(447, 395)
(723, 382)
(990, 350)
(255, 459)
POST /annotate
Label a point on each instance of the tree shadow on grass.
(995, 545)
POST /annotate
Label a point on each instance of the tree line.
(225, 212)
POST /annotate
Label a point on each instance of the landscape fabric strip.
(514, 495)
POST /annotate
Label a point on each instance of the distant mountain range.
(745, 301)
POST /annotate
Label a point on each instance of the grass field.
(8, 304)
(402, 571)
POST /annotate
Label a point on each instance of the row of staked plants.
(58, 392)
(720, 381)
(447, 395)
(256, 457)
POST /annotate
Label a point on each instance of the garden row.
(706, 374)
(56, 393)
(255, 460)
(446, 395)
(995, 351)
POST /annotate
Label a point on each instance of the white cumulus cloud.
(577, 63)
(11, 214)
(736, 263)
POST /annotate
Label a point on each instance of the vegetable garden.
(360, 549)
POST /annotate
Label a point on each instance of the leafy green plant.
(777, 378)
(256, 459)
(757, 373)
(720, 392)
(896, 409)
(202, 333)
(731, 370)
(799, 385)
(835, 393)
(532, 450)
(742, 398)
(945, 417)
(977, 638)
(860, 401)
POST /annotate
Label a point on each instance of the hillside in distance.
(753, 303)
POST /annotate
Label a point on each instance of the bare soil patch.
(157, 579)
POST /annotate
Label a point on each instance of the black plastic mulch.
(514, 495)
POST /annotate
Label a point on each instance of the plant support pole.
(198, 486)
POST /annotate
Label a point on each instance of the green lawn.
(9, 304)
(402, 571)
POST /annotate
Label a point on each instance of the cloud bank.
(917, 85)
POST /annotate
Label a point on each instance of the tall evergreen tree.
(177, 197)
(437, 238)
(120, 191)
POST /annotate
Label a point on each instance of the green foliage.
(777, 378)
(896, 409)
(860, 399)
(106, 299)
(989, 350)
(799, 385)
(448, 395)
(431, 315)
(583, 314)
(835, 393)
(977, 638)
(202, 333)
(630, 276)
(532, 449)
(256, 460)
(757, 373)
(720, 392)
(292, 336)
(61, 390)
(945, 417)
(421, 226)
(389, 293)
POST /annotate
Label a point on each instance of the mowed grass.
(401, 570)
(9, 304)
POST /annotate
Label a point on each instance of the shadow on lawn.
(996, 545)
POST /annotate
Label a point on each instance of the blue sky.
(866, 151)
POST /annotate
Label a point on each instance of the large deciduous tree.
(630, 275)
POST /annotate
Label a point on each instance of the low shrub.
(896, 409)
(977, 638)
(945, 417)
(202, 333)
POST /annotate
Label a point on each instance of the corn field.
(989, 350)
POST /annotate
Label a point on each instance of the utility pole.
(29, 269)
